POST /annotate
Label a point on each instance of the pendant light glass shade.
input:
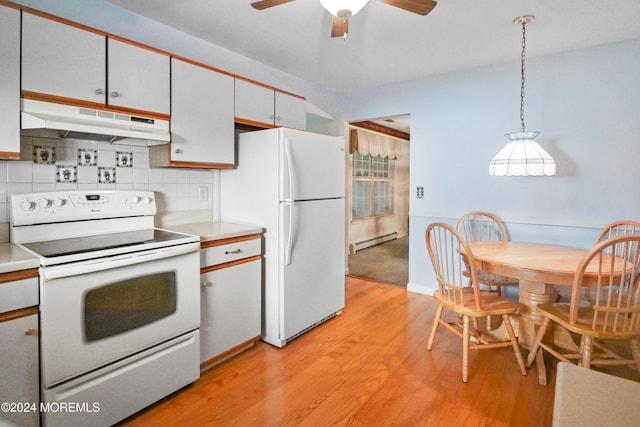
(336, 6)
(522, 157)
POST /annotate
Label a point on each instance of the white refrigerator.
(292, 183)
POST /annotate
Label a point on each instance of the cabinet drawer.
(18, 294)
(214, 255)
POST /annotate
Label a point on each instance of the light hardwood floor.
(367, 367)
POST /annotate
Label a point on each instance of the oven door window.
(128, 304)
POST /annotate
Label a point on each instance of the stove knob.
(135, 200)
(147, 200)
(44, 203)
(27, 205)
(58, 202)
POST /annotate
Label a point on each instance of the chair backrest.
(619, 228)
(613, 267)
(482, 226)
(450, 254)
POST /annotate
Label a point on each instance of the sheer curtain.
(374, 144)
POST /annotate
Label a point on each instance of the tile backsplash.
(49, 162)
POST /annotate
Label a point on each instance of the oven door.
(97, 312)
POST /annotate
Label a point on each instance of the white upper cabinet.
(262, 106)
(291, 111)
(61, 60)
(138, 78)
(202, 126)
(10, 83)
(254, 103)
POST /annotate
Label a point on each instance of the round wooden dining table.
(537, 266)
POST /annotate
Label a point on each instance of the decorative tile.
(106, 175)
(87, 157)
(44, 154)
(124, 159)
(67, 174)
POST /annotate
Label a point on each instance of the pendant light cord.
(524, 22)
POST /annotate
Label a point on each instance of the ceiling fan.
(343, 9)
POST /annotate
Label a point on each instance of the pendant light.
(522, 156)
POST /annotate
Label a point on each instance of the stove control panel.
(62, 206)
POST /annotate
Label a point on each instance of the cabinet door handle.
(115, 94)
(99, 91)
(30, 331)
(206, 284)
(179, 151)
(236, 251)
(277, 118)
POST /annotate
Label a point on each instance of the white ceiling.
(387, 44)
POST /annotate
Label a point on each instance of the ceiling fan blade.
(339, 27)
(421, 7)
(264, 4)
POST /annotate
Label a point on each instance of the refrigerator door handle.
(287, 154)
(289, 247)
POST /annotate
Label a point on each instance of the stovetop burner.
(88, 244)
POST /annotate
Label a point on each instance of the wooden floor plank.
(367, 367)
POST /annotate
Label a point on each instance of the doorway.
(378, 198)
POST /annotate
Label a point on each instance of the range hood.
(92, 124)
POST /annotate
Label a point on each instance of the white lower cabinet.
(19, 359)
(230, 298)
(20, 385)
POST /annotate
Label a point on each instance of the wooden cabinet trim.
(9, 155)
(12, 276)
(240, 120)
(270, 87)
(196, 165)
(88, 104)
(211, 268)
(220, 242)
(15, 314)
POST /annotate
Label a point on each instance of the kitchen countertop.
(586, 397)
(215, 230)
(13, 258)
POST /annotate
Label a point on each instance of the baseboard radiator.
(375, 241)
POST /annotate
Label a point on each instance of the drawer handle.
(30, 331)
(206, 284)
(237, 251)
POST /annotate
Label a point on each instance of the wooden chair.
(615, 229)
(619, 228)
(450, 255)
(484, 226)
(606, 308)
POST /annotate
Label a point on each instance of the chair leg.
(635, 350)
(514, 343)
(587, 347)
(436, 322)
(536, 345)
(465, 348)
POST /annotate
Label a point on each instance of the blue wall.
(586, 103)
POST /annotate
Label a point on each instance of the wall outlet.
(420, 192)
(204, 193)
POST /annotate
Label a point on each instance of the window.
(372, 186)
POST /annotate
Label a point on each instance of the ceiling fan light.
(335, 7)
